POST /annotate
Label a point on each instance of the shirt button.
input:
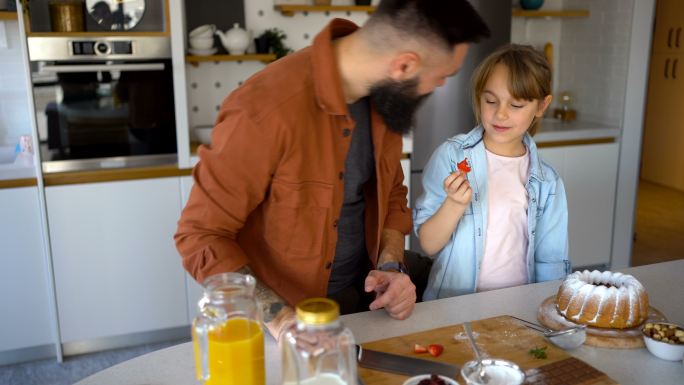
(335, 223)
(341, 176)
(328, 265)
(346, 132)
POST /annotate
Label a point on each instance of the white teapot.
(236, 40)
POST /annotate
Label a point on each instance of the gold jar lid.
(317, 311)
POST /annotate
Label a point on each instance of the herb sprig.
(539, 353)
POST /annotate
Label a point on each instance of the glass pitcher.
(318, 349)
(227, 335)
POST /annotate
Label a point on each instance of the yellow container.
(66, 16)
(236, 353)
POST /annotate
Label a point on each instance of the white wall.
(632, 129)
(538, 32)
(14, 110)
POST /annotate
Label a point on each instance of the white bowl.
(415, 380)
(664, 350)
(203, 134)
(499, 371)
(202, 42)
(206, 30)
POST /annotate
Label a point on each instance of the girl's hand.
(458, 189)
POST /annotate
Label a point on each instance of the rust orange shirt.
(269, 189)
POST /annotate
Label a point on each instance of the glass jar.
(227, 333)
(318, 349)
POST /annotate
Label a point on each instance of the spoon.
(481, 373)
(566, 339)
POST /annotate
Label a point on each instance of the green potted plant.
(272, 40)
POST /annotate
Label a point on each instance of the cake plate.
(629, 338)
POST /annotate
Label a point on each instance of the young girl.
(492, 212)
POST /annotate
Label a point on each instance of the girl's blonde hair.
(529, 76)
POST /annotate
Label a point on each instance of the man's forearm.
(391, 246)
(270, 302)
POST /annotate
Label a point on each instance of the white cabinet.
(26, 321)
(194, 290)
(116, 267)
(589, 173)
(406, 168)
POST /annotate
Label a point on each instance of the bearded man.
(302, 184)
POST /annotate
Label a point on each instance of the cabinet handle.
(103, 67)
(674, 68)
(667, 67)
(679, 32)
(669, 38)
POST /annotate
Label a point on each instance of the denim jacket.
(456, 267)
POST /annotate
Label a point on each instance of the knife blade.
(409, 366)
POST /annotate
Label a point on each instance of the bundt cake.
(603, 299)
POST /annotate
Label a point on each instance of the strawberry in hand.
(463, 166)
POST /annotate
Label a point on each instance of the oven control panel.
(98, 48)
(101, 48)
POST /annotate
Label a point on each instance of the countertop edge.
(15, 183)
(113, 175)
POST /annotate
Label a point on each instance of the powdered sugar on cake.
(603, 299)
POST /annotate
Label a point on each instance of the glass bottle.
(227, 333)
(318, 349)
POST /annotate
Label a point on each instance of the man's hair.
(451, 22)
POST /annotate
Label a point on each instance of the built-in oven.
(103, 98)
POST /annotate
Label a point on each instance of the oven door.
(104, 109)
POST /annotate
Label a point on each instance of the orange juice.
(236, 354)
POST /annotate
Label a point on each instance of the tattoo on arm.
(271, 303)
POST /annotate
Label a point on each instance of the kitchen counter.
(663, 282)
(553, 130)
(20, 170)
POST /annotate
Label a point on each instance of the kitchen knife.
(409, 366)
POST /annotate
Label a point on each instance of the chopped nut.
(648, 326)
(679, 333)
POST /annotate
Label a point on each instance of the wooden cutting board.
(498, 337)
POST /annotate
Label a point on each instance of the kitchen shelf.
(550, 13)
(290, 10)
(195, 60)
(94, 34)
(6, 15)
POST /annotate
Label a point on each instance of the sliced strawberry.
(463, 166)
(419, 349)
(435, 349)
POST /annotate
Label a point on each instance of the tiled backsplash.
(210, 83)
(15, 116)
(594, 54)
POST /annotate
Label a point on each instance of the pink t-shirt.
(504, 261)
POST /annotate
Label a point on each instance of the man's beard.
(397, 102)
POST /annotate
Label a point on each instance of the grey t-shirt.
(350, 253)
